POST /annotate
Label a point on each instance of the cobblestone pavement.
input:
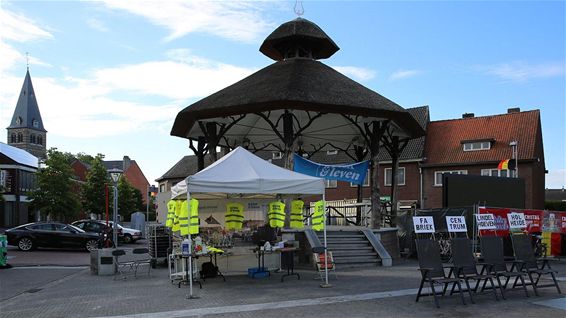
(366, 292)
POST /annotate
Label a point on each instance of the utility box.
(3, 250)
(102, 262)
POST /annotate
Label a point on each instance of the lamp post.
(115, 176)
(515, 155)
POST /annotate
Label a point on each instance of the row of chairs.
(494, 267)
(140, 258)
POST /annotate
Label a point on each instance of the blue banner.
(354, 173)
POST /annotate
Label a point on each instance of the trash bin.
(102, 262)
(3, 250)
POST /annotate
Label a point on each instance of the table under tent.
(241, 175)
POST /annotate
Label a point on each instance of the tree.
(127, 198)
(93, 193)
(54, 195)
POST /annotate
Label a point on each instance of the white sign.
(456, 224)
(516, 220)
(423, 224)
(485, 221)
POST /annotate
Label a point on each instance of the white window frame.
(476, 145)
(498, 173)
(277, 155)
(388, 183)
(331, 152)
(366, 181)
(330, 184)
(447, 171)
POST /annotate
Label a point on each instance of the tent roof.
(243, 174)
(18, 156)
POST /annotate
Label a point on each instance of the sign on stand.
(485, 221)
(456, 224)
(516, 220)
(423, 224)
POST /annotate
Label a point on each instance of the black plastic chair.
(142, 258)
(122, 267)
(465, 267)
(494, 263)
(525, 261)
(432, 270)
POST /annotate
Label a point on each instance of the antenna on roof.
(299, 10)
(27, 60)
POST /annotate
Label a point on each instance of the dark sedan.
(51, 234)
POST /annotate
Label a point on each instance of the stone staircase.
(350, 248)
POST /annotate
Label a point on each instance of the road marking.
(51, 267)
(558, 303)
(271, 305)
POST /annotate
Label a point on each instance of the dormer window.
(276, 155)
(331, 152)
(474, 145)
(19, 121)
(35, 123)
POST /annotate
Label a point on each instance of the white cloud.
(403, 74)
(17, 28)
(97, 25)
(522, 72)
(556, 179)
(358, 73)
(234, 20)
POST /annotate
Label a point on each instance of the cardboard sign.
(485, 221)
(423, 224)
(516, 220)
(456, 224)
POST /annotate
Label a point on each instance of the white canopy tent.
(241, 174)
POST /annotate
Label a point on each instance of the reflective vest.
(297, 214)
(234, 217)
(171, 206)
(318, 216)
(276, 214)
(193, 221)
(176, 226)
(188, 218)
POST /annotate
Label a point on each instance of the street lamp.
(515, 156)
(115, 176)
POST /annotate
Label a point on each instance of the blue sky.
(110, 76)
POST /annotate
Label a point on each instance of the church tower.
(26, 128)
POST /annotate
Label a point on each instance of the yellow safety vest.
(297, 214)
(171, 206)
(276, 214)
(176, 226)
(234, 217)
(318, 216)
(189, 225)
(193, 221)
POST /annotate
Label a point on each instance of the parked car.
(129, 235)
(96, 226)
(50, 234)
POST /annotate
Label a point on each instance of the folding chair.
(318, 257)
(122, 267)
(432, 270)
(465, 266)
(494, 263)
(525, 261)
(142, 259)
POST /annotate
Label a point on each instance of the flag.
(507, 164)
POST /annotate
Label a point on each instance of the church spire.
(26, 129)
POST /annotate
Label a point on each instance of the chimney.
(468, 115)
(126, 163)
(513, 110)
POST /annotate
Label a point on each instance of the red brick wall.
(80, 170)
(135, 177)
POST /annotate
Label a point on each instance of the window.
(20, 137)
(331, 152)
(400, 176)
(438, 175)
(39, 140)
(32, 139)
(331, 183)
(19, 121)
(477, 145)
(498, 173)
(42, 227)
(35, 123)
(276, 155)
(366, 181)
(13, 138)
(162, 187)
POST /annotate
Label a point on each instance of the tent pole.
(190, 277)
(326, 284)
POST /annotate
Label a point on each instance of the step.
(343, 236)
(355, 259)
(353, 248)
(345, 254)
(346, 242)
